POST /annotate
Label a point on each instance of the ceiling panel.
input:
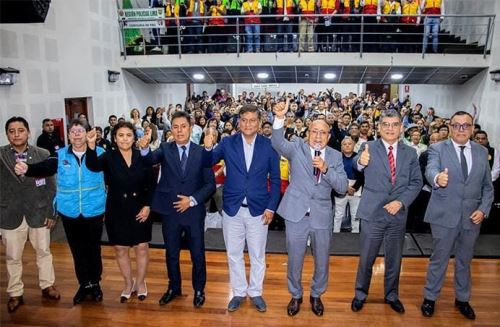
(306, 74)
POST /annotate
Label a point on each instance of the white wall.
(69, 56)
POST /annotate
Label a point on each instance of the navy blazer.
(197, 181)
(252, 184)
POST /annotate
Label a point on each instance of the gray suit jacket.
(460, 198)
(20, 196)
(304, 193)
(378, 189)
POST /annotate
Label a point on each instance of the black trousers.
(194, 237)
(84, 239)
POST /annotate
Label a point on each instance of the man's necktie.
(392, 165)
(184, 159)
(463, 162)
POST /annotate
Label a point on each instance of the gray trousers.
(296, 243)
(444, 240)
(391, 231)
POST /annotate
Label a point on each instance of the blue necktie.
(463, 162)
(184, 159)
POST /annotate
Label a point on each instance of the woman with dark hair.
(130, 189)
(150, 115)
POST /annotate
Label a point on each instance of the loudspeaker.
(23, 11)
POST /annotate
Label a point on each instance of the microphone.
(317, 153)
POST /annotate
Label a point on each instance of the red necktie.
(392, 165)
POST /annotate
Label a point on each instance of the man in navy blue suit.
(248, 202)
(179, 198)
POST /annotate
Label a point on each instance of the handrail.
(360, 33)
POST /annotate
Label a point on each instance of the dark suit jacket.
(378, 189)
(20, 196)
(197, 182)
(252, 184)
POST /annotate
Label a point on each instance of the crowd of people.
(296, 25)
(315, 160)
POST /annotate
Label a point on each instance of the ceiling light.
(329, 76)
(396, 76)
(113, 76)
(198, 76)
(262, 75)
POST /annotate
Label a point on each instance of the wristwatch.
(191, 203)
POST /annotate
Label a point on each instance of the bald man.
(307, 206)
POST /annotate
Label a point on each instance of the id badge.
(40, 182)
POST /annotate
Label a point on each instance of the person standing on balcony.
(252, 9)
(410, 26)
(216, 27)
(268, 23)
(370, 37)
(306, 25)
(326, 39)
(233, 9)
(431, 23)
(285, 24)
(392, 9)
(350, 25)
(196, 13)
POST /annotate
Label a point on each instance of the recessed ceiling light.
(396, 76)
(262, 75)
(198, 76)
(329, 76)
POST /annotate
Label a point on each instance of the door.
(74, 107)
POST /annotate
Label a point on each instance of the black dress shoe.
(81, 294)
(316, 305)
(199, 299)
(293, 306)
(427, 308)
(465, 309)
(96, 292)
(357, 305)
(169, 296)
(396, 305)
(14, 303)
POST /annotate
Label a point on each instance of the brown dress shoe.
(14, 303)
(51, 293)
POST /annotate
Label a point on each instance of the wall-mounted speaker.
(23, 11)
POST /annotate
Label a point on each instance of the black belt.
(244, 205)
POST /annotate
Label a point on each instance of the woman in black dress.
(130, 189)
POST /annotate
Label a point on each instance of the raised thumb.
(445, 171)
(366, 148)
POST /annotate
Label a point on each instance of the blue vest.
(79, 190)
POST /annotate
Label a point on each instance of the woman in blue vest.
(80, 202)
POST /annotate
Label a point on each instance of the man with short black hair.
(462, 194)
(108, 130)
(26, 211)
(49, 139)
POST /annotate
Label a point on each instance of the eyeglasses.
(386, 125)
(320, 133)
(75, 131)
(463, 127)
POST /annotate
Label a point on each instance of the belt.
(244, 205)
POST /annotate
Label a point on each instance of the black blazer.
(197, 182)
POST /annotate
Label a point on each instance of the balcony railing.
(309, 33)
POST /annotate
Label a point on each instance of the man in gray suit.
(461, 198)
(392, 181)
(25, 210)
(307, 206)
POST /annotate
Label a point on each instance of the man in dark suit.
(49, 139)
(306, 206)
(248, 203)
(461, 198)
(25, 210)
(392, 181)
(179, 198)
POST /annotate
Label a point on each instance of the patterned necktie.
(463, 162)
(184, 159)
(392, 165)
